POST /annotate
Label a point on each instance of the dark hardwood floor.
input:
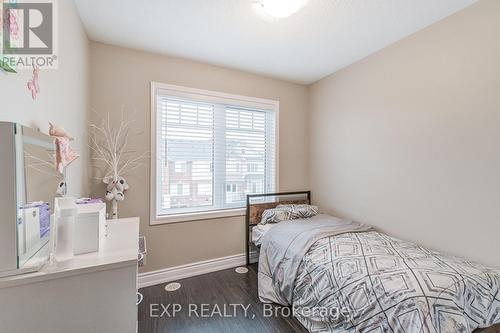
(223, 301)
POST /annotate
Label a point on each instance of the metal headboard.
(254, 210)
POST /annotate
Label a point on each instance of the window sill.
(188, 217)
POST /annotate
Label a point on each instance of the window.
(252, 167)
(221, 146)
(180, 166)
(232, 188)
(179, 190)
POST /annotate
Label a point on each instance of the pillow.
(275, 215)
(301, 211)
(288, 212)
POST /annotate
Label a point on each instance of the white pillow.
(275, 215)
(301, 211)
(288, 212)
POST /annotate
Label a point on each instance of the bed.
(343, 276)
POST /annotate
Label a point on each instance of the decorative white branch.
(109, 146)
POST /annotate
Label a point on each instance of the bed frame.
(255, 210)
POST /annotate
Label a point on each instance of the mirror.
(29, 185)
(35, 191)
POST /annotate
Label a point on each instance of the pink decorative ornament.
(33, 83)
(55, 130)
(64, 153)
(13, 25)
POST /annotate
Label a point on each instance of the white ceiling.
(318, 40)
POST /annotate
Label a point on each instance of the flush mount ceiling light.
(280, 8)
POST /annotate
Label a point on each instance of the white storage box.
(90, 227)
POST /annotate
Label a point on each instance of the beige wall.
(408, 139)
(63, 97)
(122, 77)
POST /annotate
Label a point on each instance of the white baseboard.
(198, 268)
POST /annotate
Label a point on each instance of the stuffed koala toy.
(115, 189)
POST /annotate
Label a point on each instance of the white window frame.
(216, 97)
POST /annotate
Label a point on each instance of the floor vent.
(173, 286)
(241, 270)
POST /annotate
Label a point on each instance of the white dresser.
(94, 292)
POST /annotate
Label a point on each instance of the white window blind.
(210, 155)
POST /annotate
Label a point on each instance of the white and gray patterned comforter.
(365, 281)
